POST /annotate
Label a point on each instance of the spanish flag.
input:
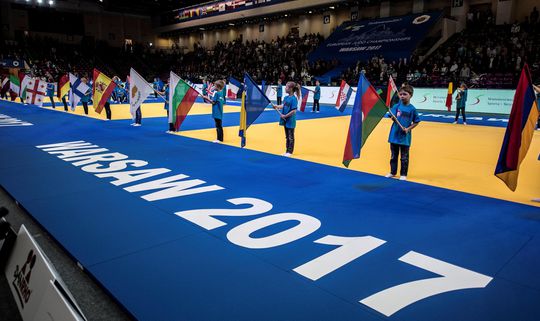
(519, 132)
(102, 89)
(449, 96)
(63, 86)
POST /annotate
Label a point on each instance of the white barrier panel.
(30, 276)
(492, 101)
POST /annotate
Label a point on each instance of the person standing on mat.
(316, 97)
(405, 117)
(50, 91)
(86, 97)
(218, 100)
(461, 101)
(288, 115)
(165, 93)
(279, 91)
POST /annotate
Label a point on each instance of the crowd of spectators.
(483, 55)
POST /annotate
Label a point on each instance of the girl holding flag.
(288, 115)
(218, 100)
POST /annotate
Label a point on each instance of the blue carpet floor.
(161, 264)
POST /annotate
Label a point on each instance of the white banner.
(30, 275)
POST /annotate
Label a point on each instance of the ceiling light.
(332, 7)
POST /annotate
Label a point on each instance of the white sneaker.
(464, 123)
(312, 111)
(216, 141)
(454, 122)
(389, 175)
(403, 178)
(136, 125)
(317, 111)
(132, 124)
(287, 154)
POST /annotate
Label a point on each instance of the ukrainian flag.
(254, 101)
(243, 121)
(519, 131)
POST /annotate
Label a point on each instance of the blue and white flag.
(78, 90)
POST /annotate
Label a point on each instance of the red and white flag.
(35, 91)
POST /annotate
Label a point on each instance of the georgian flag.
(35, 91)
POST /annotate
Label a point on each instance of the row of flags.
(368, 108)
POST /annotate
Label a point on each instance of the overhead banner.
(393, 38)
(11, 63)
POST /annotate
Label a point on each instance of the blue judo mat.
(281, 239)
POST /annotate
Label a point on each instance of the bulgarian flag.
(182, 100)
(63, 86)
(25, 80)
(102, 89)
(449, 96)
(391, 92)
(368, 110)
(14, 85)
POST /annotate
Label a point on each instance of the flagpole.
(395, 119)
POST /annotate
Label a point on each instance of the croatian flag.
(304, 92)
(234, 88)
(345, 92)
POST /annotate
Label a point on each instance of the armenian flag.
(368, 110)
(519, 131)
(102, 89)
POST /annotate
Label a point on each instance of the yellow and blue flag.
(254, 101)
(519, 131)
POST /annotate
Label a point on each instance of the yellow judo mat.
(149, 110)
(456, 157)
